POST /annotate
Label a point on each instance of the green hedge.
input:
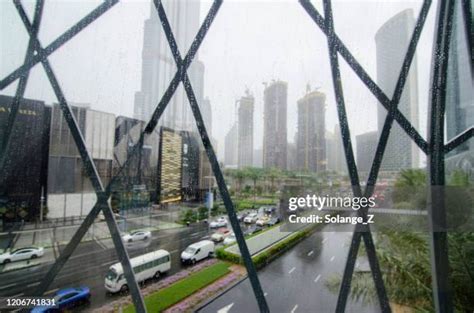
(265, 257)
(164, 298)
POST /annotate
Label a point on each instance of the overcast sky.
(250, 42)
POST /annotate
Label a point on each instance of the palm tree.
(404, 258)
(272, 173)
(240, 176)
(254, 174)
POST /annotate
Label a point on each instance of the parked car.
(251, 218)
(66, 299)
(262, 221)
(241, 216)
(270, 210)
(230, 239)
(220, 222)
(220, 235)
(197, 251)
(273, 221)
(136, 236)
(20, 254)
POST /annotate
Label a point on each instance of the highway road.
(295, 282)
(91, 260)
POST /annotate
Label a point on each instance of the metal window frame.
(434, 148)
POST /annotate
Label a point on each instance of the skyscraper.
(460, 96)
(335, 151)
(231, 147)
(366, 146)
(206, 111)
(311, 136)
(158, 66)
(392, 40)
(274, 125)
(245, 140)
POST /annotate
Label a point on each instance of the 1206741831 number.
(26, 302)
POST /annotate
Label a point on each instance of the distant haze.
(250, 42)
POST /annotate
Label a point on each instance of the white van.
(197, 251)
(145, 266)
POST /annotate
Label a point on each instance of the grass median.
(183, 288)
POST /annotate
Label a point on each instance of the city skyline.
(221, 56)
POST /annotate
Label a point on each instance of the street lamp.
(209, 201)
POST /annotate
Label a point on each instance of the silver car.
(136, 236)
(20, 254)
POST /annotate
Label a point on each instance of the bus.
(145, 266)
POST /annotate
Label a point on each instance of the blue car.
(65, 299)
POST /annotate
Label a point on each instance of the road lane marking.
(310, 253)
(107, 263)
(8, 286)
(294, 308)
(317, 278)
(226, 308)
(292, 270)
(332, 258)
(174, 251)
(325, 239)
(51, 291)
(33, 284)
(195, 234)
(17, 295)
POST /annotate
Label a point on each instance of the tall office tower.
(460, 95)
(231, 147)
(245, 141)
(335, 151)
(311, 140)
(25, 171)
(292, 157)
(392, 41)
(460, 91)
(258, 158)
(206, 112)
(158, 66)
(274, 125)
(366, 146)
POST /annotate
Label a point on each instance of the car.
(220, 222)
(273, 221)
(220, 235)
(101, 216)
(270, 210)
(262, 221)
(241, 216)
(197, 251)
(251, 218)
(136, 235)
(66, 299)
(25, 253)
(230, 239)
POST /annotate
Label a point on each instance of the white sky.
(250, 42)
